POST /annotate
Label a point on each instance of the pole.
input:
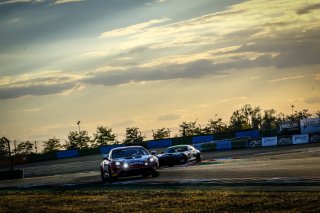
(79, 126)
(292, 106)
(35, 146)
(15, 146)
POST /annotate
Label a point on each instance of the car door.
(192, 153)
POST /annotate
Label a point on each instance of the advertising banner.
(198, 146)
(284, 140)
(106, 149)
(289, 128)
(223, 145)
(201, 139)
(248, 134)
(310, 125)
(270, 141)
(159, 143)
(314, 138)
(67, 154)
(254, 142)
(300, 139)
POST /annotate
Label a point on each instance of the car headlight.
(151, 159)
(125, 165)
(118, 163)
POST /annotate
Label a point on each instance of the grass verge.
(157, 200)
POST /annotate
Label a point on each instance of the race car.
(179, 154)
(128, 161)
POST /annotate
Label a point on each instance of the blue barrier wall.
(159, 143)
(248, 134)
(201, 139)
(67, 154)
(223, 145)
(106, 149)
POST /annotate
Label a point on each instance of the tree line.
(247, 117)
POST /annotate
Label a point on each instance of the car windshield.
(176, 149)
(128, 153)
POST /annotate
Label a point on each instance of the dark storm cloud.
(34, 90)
(196, 69)
(308, 9)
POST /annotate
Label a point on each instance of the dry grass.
(160, 200)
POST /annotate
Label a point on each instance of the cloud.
(308, 8)
(168, 117)
(312, 100)
(317, 77)
(130, 30)
(232, 99)
(36, 90)
(46, 83)
(26, 110)
(21, 1)
(287, 78)
(67, 1)
(195, 69)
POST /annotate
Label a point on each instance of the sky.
(152, 63)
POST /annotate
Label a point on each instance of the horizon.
(152, 63)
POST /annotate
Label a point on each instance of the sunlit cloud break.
(132, 29)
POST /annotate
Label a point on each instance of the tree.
(318, 113)
(190, 129)
(280, 118)
(245, 118)
(103, 136)
(4, 152)
(269, 120)
(24, 148)
(238, 121)
(51, 145)
(77, 141)
(214, 126)
(298, 115)
(133, 136)
(161, 134)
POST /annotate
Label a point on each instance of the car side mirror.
(105, 157)
(153, 152)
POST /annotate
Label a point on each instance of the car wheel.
(103, 177)
(155, 173)
(183, 160)
(199, 158)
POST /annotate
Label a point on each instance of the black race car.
(128, 161)
(179, 154)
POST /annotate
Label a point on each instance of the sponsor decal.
(289, 128)
(300, 139)
(310, 125)
(270, 141)
(285, 140)
(314, 138)
(254, 142)
(136, 163)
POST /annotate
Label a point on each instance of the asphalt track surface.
(295, 165)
